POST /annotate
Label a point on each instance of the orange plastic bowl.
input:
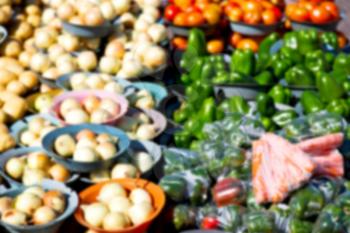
(90, 194)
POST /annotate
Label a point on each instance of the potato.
(11, 64)
(7, 77)
(22, 31)
(11, 48)
(14, 107)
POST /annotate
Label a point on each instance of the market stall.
(182, 116)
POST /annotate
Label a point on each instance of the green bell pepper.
(280, 94)
(311, 102)
(307, 202)
(331, 39)
(265, 104)
(316, 61)
(184, 217)
(329, 88)
(268, 123)
(293, 55)
(237, 104)
(298, 226)
(339, 106)
(196, 47)
(264, 78)
(221, 77)
(308, 41)
(194, 124)
(284, 117)
(264, 55)
(175, 187)
(329, 221)
(260, 222)
(208, 110)
(290, 40)
(342, 63)
(235, 77)
(299, 75)
(280, 66)
(208, 71)
(185, 79)
(243, 62)
(183, 113)
(183, 138)
(343, 201)
(196, 71)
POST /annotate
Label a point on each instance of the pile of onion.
(86, 146)
(34, 206)
(116, 208)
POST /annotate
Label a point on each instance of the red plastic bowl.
(81, 95)
(90, 194)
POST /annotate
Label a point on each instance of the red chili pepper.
(210, 223)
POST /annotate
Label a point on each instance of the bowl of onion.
(37, 209)
(141, 160)
(86, 147)
(120, 206)
(30, 130)
(31, 165)
(88, 31)
(146, 94)
(143, 124)
(97, 107)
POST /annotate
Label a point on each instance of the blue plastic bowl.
(81, 167)
(158, 92)
(18, 153)
(88, 31)
(153, 149)
(4, 32)
(52, 227)
(19, 126)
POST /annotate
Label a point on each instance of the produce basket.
(331, 26)
(89, 196)
(184, 31)
(51, 227)
(49, 139)
(254, 30)
(88, 31)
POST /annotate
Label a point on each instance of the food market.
(174, 116)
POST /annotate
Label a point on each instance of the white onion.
(100, 116)
(107, 10)
(143, 161)
(55, 200)
(95, 82)
(59, 173)
(124, 171)
(121, 6)
(106, 150)
(37, 124)
(110, 106)
(38, 160)
(157, 32)
(14, 217)
(145, 103)
(76, 116)
(119, 204)
(40, 62)
(115, 221)
(109, 191)
(99, 176)
(15, 167)
(36, 190)
(87, 142)
(131, 69)
(154, 57)
(32, 176)
(69, 42)
(140, 212)
(43, 215)
(146, 132)
(43, 39)
(27, 203)
(95, 213)
(140, 195)
(55, 51)
(114, 87)
(109, 65)
(65, 145)
(87, 60)
(85, 154)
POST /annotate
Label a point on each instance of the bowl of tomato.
(322, 16)
(253, 18)
(183, 15)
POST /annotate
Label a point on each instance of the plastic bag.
(179, 160)
(229, 191)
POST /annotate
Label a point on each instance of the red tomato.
(252, 17)
(235, 14)
(211, 15)
(307, 5)
(320, 15)
(290, 9)
(195, 19)
(171, 11)
(210, 223)
(193, 8)
(252, 6)
(277, 12)
(269, 17)
(266, 4)
(300, 14)
(332, 8)
(180, 19)
(215, 46)
(183, 4)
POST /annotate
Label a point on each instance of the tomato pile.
(190, 13)
(253, 12)
(317, 12)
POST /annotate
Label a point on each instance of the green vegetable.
(264, 50)
(339, 106)
(342, 64)
(208, 71)
(329, 88)
(260, 222)
(243, 62)
(265, 104)
(284, 117)
(325, 124)
(290, 40)
(268, 124)
(196, 71)
(316, 61)
(307, 202)
(208, 110)
(184, 217)
(196, 47)
(298, 226)
(280, 66)
(344, 202)
(299, 75)
(293, 55)
(237, 104)
(264, 78)
(175, 187)
(311, 102)
(308, 41)
(183, 138)
(331, 39)
(329, 221)
(280, 94)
